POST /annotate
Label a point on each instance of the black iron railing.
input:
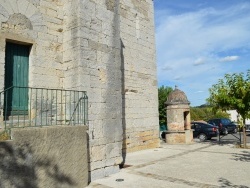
(32, 107)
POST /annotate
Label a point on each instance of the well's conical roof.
(177, 97)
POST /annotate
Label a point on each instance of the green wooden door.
(16, 78)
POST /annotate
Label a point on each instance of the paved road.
(205, 165)
(233, 138)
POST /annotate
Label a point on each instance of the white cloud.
(190, 45)
(167, 68)
(199, 61)
(178, 78)
(229, 58)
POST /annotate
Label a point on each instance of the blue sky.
(199, 41)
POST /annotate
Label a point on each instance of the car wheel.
(225, 131)
(202, 137)
(235, 130)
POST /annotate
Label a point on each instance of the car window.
(193, 125)
(212, 122)
(205, 125)
(225, 121)
(208, 126)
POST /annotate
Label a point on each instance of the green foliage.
(206, 113)
(232, 93)
(163, 93)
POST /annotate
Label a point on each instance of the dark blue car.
(203, 130)
(225, 125)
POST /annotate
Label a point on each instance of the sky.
(199, 41)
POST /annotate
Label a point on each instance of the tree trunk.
(244, 134)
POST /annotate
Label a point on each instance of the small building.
(178, 118)
(234, 116)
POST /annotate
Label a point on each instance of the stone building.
(103, 47)
(178, 118)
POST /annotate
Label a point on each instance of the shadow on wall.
(19, 169)
(88, 158)
(124, 149)
(225, 183)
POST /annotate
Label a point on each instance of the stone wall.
(140, 93)
(175, 117)
(92, 63)
(179, 137)
(105, 47)
(45, 157)
(112, 56)
(40, 25)
(176, 138)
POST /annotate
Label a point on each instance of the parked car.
(203, 130)
(247, 127)
(225, 125)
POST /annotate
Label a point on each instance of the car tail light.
(214, 129)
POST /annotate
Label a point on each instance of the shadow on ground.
(243, 157)
(225, 183)
(19, 169)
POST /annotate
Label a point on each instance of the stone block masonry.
(140, 93)
(45, 157)
(104, 47)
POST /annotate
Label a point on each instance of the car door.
(198, 128)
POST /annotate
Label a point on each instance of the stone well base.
(179, 137)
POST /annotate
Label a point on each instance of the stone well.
(178, 118)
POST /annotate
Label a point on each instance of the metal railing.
(32, 107)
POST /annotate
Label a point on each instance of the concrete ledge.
(45, 157)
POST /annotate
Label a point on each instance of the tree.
(232, 93)
(206, 113)
(163, 93)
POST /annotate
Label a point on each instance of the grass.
(4, 135)
(241, 146)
